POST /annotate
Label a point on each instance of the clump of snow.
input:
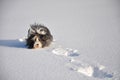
(60, 51)
(92, 71)
(101, 67)
(65, 52)
(88, 71)
(22, 39)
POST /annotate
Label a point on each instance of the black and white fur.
(39, 36)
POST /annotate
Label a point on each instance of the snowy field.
(86, 34)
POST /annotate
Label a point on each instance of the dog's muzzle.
(37, 44)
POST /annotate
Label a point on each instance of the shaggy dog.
(39, 36)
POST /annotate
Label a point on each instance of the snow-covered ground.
(86, 46)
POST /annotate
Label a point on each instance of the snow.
(88, 71)
(86, 42)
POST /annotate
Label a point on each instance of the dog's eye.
(41, 30)
(37, 39)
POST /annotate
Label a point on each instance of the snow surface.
(86, 45)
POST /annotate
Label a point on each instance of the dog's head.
(38, 36)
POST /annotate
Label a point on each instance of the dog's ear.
(32, 30)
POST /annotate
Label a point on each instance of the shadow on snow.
(12, 43)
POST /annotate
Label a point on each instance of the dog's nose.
(37, 44)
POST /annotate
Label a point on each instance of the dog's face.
(37, 42)
(34, 41)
